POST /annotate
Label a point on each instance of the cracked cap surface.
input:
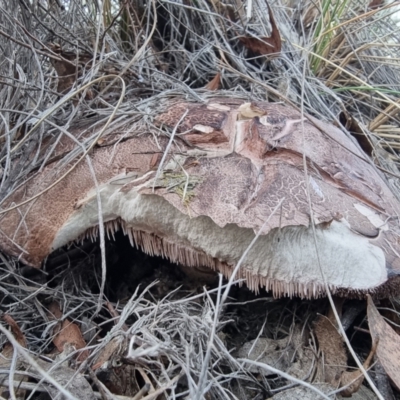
(231, 165)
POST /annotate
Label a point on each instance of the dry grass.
(66, 66)
(182, 341)
(343, 63)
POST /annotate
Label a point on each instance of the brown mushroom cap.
(231, 167)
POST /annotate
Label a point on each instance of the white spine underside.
(286, 256)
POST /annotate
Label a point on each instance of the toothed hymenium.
(230, 165)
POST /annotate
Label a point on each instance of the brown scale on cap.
(232, 163)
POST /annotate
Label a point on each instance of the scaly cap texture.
(230, 165)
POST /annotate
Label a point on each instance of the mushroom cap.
(233, 170)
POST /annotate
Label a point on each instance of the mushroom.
(229, 171)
